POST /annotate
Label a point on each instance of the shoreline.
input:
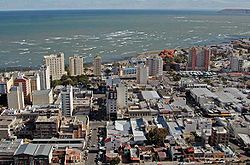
(122, 60)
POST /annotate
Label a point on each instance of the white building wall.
(56, 65)
(155, 65)
(43, 98)
(15, 98)
(76, 65)
(142, 74)
(122, 96)
(44, 74)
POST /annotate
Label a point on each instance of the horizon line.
(79, 9)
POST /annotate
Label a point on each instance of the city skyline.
(120, 4)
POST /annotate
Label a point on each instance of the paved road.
(93, 141)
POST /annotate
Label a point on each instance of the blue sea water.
(26, 36)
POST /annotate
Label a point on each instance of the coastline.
(123, 60)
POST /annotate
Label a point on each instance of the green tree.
(115, 161)
(71, 80)
(55, 83)
(157, 136)
(68, 81)
(67, 69)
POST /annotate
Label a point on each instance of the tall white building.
(76, 65)
(44, 74)
(97, 64)
(142, 74)
(15, 98)
(67, 101)
(122, 95)
(56, 65)
(111, 104)
(155, 66)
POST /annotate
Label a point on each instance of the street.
(93, 142)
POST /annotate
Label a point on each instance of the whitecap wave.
(24, 52)
(23, 49)
(5, 51)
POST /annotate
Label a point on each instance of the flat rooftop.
(8, 147)
(203, 92)
(220, 130)
(6, 120)
(148, 95)
(41, 92)
(46, 119)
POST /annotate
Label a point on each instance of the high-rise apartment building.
(56, 65)
(236, 64)
(122, 95)
(155, 66)
(44, 73)
(199, 59)
(142, 74)
(15, 98)
(24, 83)
(111, 104)
(67, 101)
(35, 82)
(97, 64)
(76, 65)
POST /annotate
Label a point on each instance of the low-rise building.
(82, 102)
(46, 127)
(7, 124)
(72, 128)
(7, 150)
(219, 136)
(33, 154)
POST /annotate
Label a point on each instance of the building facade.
(155, 66)
(35, 82)
(142, 74)
(122, 95)
(42, 97)
(56, 65)
(15, 98)
(219, 136)
(24, 84)
(44, 73)
(199, 59)
(76, 65)
(111, 104)
(46, 127)
(236, 64)
(5, 84)
(97, 63)
(67, 101)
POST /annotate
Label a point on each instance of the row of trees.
(71, 80)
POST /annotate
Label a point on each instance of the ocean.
(26, 36)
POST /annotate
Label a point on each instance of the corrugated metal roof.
(27, 149)
(43, 150)
(147, 95)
